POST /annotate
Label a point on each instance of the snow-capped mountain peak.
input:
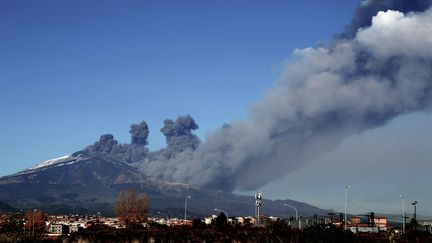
(60, 161)
(50, 162)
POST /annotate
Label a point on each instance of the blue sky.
(71, 71)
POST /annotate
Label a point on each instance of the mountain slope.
(5, 208)
(82, 184)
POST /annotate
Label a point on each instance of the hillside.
(82, 184)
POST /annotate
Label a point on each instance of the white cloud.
(393, 33)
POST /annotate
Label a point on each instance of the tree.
(220, 220)
(35, 222)
(198, 223)
(412, 225)
(131, 207)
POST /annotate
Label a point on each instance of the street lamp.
(296, 214)
(223, 211)
(185, 214)
(166, 216)
(345, 212)
(33, 212)
(415, 214)
(403, 213)
(415, 209)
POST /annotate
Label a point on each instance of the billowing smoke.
(110, 148)
(139, 133)
(179, 138)
(179, 135)
(369, 8)
(379, 68)
(105, 144)
(323, 96)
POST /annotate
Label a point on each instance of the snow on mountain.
(50, 162)
(63, 160)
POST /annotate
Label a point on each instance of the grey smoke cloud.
(379, 69)
(111, 149)
(105, 144)
(139, 133)
(179, 135)
(325, 95)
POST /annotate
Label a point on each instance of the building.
(75, 227)
(381, 222)
(355, 220)
(58, 229)
(358, 224)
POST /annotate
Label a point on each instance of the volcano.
(82, 184)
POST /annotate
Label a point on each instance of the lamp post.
(415, 210)
(166, 216)
(223, 211)
(33, 212)
(296, 214)
(186, 201)
(403, 213)
(345, 212)
(415, 214)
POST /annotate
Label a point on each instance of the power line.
(358, 206)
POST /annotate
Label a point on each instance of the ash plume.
(110, 148)
(369, 8)
(325, 95)
(105, 144)
(179, 138)
(179, 135)
(378, 69)
(139, 133)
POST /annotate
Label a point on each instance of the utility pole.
(185, 212)
(403, 213)
(345, 212)
(371, 219)
(33, 234)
